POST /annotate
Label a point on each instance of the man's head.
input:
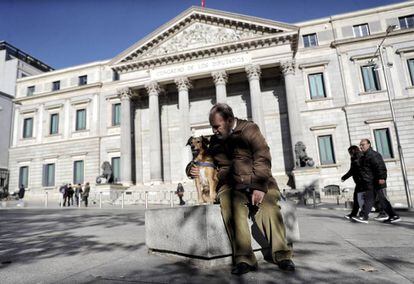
(221, 120)
(365, 144)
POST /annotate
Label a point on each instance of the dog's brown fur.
(206, 182)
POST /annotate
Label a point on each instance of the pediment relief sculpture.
(199, 35)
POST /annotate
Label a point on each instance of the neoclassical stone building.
(319, 82)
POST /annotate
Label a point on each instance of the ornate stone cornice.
(288, 67)
(125, 93)
(183, 84)
(153, 88)
(253, 72)
(220, 77)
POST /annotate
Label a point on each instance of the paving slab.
(108, 246)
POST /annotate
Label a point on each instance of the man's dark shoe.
(286, 265)
(393, 219)
(360, 220)
(242, 268)
(381, 217)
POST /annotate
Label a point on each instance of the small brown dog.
(206, 182)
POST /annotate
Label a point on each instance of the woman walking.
(355, 173)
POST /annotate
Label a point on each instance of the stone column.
(220, 80)
(183, 85)
(154, 90)
(126, 150)
(295, 122)
(253, 74)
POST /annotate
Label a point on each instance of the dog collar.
(204, 164)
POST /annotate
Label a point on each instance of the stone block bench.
(198, 234)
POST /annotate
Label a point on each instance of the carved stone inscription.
(201, 66)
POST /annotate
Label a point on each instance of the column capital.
(253, 72)
(288, 67)
(183, 84)
(124, 93)
(220, 77)
(153, 88)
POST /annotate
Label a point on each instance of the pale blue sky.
(65, 33)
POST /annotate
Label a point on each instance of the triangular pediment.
(200, 28)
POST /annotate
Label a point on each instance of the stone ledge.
(198, 232)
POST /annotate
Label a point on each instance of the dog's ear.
(189, 141)
(205, 140)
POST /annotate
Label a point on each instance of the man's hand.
(381, 181)
(257, 197)
(194, 172)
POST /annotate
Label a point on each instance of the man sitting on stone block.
(246, 184)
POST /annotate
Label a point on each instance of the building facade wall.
(346, 111)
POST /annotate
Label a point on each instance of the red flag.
(203, 3)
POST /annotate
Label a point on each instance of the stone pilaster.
(154, 90)
(220, 80)
(253, 74)
(126, 144)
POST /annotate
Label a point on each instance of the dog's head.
(197, 144)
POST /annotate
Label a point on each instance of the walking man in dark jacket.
(245, 183)
(374, 176)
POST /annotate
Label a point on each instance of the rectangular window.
(77, 172)
(383, 142)
(316, 86)
(310, 40)
(81, 119)
(410, 63)
(116, 168)
(370, 78)
(116, 114)
(24, 176)
(83, 80)
(49, 175)
(30, 90)
(56, 86)
(326, 151)
(361, 30)
(406, 22)
(54, 123)
(28, 127)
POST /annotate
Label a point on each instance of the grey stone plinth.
(199, 231)
(108, 192)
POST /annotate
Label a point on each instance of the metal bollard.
(122, 200)
(61, 201)
(146, 199)
(79, 200)
(100, 199)
(314, 198)
(337, 200)
(46, 198)
(171, 198)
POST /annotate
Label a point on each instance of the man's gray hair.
(224, 110)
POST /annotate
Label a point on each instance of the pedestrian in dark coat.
(70, 194)
(374, 176)
(85, 194)
(22, 190)
(355, 173)
(78, 192)
(180, 193)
